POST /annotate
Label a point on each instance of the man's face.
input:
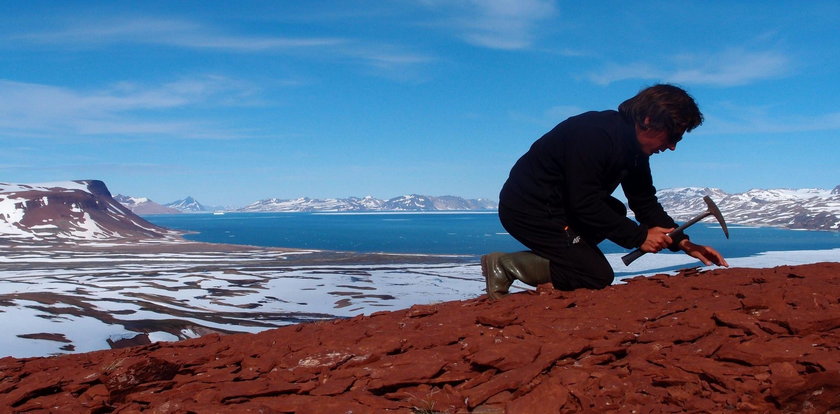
(653, 141)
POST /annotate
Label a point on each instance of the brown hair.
(667, 108)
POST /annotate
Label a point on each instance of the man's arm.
(641, 197)
(588, 154)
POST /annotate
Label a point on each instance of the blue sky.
(232, 102)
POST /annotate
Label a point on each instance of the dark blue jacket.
(570, 173)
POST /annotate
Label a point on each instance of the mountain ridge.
(408, 202)
(802, 209)
(188, 205)
(806, 208)
(144, 205)
(34, 208)
(70, 212)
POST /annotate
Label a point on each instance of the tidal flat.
(92, 296)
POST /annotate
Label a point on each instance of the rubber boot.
(500, 270)
(527, 267)
(495, 277)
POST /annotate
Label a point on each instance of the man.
(557, 200)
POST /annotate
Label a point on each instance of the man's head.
(664, 111)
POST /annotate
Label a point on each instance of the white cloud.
(729, 68)
(179, 33)
(386, 57)
(734, 119)
(615, 72)
(30, 109)
(497, 24)
(190, 35)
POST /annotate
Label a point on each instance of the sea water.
(444, 233)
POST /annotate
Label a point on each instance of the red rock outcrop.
(736, 340)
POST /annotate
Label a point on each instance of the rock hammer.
(711, 210)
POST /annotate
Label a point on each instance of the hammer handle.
(632, 256)
(635, 254)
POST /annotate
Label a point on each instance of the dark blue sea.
(464, 233)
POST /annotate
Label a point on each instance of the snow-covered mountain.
(306, 204)
(412, 202)
(143, 205)
(813, 209)
(810, 208)
(69, 212)
(189, 205)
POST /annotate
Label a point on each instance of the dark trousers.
(574, 262)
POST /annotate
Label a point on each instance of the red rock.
(506, 355)
(739, 320)
(748, 340)
(786, 380)
(419, 311)
(414, 367)
(821, 360)
(94, 396)
(136, 374)
(495, 320)
(765, 352)
(550, 396)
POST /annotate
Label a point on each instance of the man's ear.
(646, 125)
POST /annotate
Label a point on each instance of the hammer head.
(715, 211)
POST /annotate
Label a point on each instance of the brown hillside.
(737, 340)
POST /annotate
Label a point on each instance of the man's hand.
(705, 254)
(657, 239)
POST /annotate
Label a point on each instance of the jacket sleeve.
(641, 197)
(588, 157)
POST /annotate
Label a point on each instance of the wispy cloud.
(729, 68)
(729, 118)
(496, 24)
(177, 33)
(191, 35)
(35, 110)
